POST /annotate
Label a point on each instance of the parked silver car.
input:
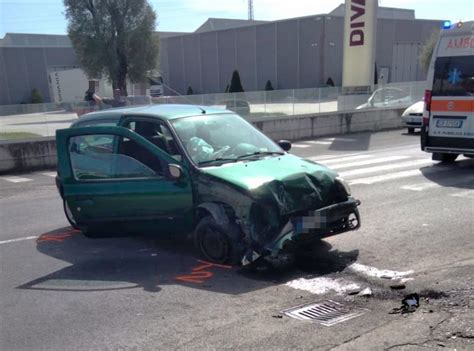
(412, 117)
(387, 97)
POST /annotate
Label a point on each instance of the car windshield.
(215, 139)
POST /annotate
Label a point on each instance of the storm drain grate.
(327, 313)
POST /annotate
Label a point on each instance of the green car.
(180, 169)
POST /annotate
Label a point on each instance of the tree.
(114, 39)
(427, 51)
(36, 97)
(235, 83)
(330, 82)
(190, 91)
(227, 88)
(268, 86)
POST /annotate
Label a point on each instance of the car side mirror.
(175, 171)
(285, 144)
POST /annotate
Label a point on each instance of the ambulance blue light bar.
(447, 25)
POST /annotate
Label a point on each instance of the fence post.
(319, 100)
(265, 101)
(293, 102)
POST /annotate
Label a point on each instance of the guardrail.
(23, 156)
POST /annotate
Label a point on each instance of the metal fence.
(40, 120)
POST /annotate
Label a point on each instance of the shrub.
(36, 97)
(268, 86)
(235, 83)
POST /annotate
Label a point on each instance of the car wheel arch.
(219, 211)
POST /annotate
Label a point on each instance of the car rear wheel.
(218, 243)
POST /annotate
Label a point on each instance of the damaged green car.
(172, 169)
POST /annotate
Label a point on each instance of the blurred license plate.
(449, 123)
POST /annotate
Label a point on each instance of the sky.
(47, 16)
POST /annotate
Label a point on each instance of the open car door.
(113, 179)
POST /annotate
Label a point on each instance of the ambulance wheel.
(447, 158)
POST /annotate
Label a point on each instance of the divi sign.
(359, 43)
(357, 23)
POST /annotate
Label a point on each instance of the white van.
(448, 118)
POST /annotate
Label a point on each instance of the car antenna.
(184, 97)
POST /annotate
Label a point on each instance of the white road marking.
(300, 146)
(335, 160)
(49, 174)
(19, 239)
(16, 179)
(421, 186)
(469, 194)
(369, 162)
(329, 139)
(397, 175)
(385, 168)
(379, 273)
(323, 285)
(385, 177)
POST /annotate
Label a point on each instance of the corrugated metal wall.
(292, 54)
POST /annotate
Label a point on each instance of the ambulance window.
(454, 76)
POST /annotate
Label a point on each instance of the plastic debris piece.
(366, 292)
(397, 286)
(409, 304)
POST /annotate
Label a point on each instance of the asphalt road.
(62, 291)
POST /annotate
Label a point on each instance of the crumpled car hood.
(290, 182)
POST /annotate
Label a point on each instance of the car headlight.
(343, 185)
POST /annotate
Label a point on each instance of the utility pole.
(250, 10)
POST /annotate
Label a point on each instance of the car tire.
(69, 216)
(411, 130)
(218, 243)
(446, 158)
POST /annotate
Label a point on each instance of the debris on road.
(323, 285)
(379, 273)
(354, 291)
(366, 292)
(398, 286)
(409, 304)
(279, 316)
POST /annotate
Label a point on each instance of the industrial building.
(293, 54)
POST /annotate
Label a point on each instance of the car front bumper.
(412, 121)
(321, 223)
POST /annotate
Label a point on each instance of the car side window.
(108, 157)
(157, 133)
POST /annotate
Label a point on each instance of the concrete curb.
(29, 155)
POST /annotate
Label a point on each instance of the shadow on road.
(149, 263)
(351, 142)
(459, 174)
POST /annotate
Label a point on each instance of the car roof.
(164, 111)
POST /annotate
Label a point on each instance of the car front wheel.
(411, 130)
(218, 243)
